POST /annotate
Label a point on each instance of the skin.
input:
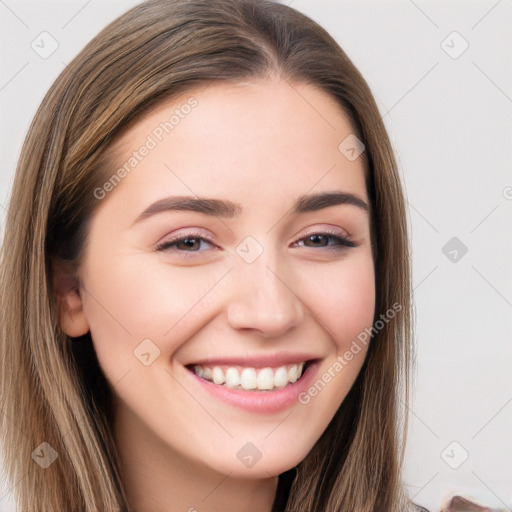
(261, 145)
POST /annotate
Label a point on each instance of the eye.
(324, 240)
(191, 242)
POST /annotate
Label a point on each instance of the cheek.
(342, 298)
(134, 300)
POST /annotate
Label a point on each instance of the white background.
(450, 123)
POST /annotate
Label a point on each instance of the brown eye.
(188, 243)
(316, 241)
(325, 240)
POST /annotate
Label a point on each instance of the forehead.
(269, 138)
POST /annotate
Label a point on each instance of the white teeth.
(217, 375)
(292, 374)
(280, 377)
(264, 379)
(248, 378)
(232, 378)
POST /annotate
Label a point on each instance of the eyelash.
(189, 236)
(341, 244)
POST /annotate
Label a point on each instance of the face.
(227, 273)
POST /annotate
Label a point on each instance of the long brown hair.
(51, 387)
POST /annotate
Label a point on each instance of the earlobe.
(71, 315)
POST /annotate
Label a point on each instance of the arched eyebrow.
(314, 202)
(229, 209)
(207, 206)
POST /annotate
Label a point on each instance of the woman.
(205, 275)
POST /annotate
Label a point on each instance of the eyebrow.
(230, 209)
(314, 202)
(207, 206)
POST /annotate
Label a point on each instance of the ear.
(71, 315)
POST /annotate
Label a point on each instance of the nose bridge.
(262, 299)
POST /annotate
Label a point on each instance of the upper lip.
(256, 361)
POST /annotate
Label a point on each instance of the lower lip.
(260, 401)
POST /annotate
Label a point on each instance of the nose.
(263, 300)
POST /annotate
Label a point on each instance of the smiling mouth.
(246, 378)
